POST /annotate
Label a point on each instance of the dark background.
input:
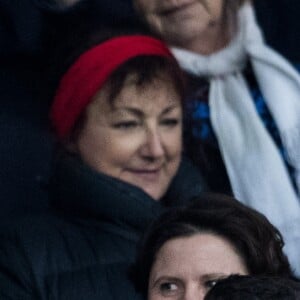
(27, 28)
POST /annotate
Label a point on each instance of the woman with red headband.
(117, 113)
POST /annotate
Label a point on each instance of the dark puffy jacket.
(83, 249)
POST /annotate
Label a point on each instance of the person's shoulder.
(67, 255)
(31, 224)
(57, 242)
(47, 240)
(29, 236)
(25, 245)
(36, 246)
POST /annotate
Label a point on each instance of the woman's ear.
(70, 143)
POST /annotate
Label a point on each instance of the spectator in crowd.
(187, 250)
(117, 114)
(255, 288)
(243, 105)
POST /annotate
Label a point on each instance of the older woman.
(187, 250)
(117, 114)
(243, 105)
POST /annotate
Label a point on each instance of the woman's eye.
(168, 288)
(211, 283)
(125, 125)
(171, 122)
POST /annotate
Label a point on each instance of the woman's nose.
(194, 293)
(153, 146)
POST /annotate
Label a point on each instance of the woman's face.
(187, 267)
(138, 137)
(180, 21)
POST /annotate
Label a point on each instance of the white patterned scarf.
(257, 173)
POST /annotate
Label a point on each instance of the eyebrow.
(170, 108)
(215, 275)
(140, 113)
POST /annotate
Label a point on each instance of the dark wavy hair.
(255, 239)
(237, 287)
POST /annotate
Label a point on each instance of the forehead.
(201, 253)
(159, 90)
(156, 94)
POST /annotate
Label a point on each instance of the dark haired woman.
(118, 116)
(188, 249)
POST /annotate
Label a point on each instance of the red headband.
(90, 71)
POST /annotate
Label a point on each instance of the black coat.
(83, 249)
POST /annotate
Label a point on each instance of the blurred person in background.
(242, 108)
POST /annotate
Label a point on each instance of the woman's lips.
(168, 11)
(147, 174)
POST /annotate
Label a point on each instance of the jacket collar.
(78, 190)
